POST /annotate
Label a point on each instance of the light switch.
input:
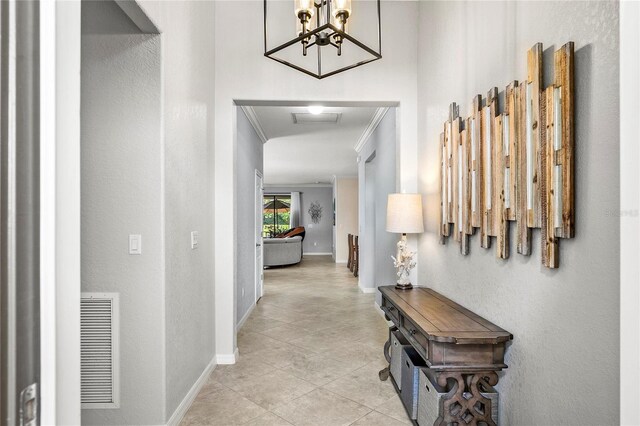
(135, 244)
(194, 240)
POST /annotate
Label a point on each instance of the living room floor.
(309, 355)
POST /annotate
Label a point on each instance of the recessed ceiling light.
(315, 109)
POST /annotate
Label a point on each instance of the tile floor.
(309, 355)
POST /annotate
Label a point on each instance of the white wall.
(121, 163)
(377, 176)
(250, 159)
(67, 217)
(242, 72)
(318, 236)
(346, 196)
(563, 362)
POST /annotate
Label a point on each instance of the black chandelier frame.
(332, 33)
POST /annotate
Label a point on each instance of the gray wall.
(147, 168)
(121, 189)
(250, 157)
(319, 236)
(188, 64)
(377, 179)
(563, 363)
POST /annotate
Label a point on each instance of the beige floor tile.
(394, 408)
(378, 419)
(241, 370)
(320, 370)
(280, 357)
(258, 324)
(286, 333)
(321, 408)
(226, 408)
(363, 386)
(273, 389)
(268, 419)
(251, 342)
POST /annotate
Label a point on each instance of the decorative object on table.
(315, 211)
(318, 40)
(515, 165)
(404, 216)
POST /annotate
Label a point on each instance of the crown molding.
(373, 124)
(253, 119)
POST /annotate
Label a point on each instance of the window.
(275, 216)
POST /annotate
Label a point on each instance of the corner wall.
(250, 159)
(377, 179)
(188, 123)
(563, 361)
(121, 194)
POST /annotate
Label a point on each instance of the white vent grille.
(99, 350)
(308, 118)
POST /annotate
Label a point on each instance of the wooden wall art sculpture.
(512, 166)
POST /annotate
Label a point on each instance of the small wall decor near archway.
(315, 211)
(515, 165)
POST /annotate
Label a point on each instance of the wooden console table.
(460, 347)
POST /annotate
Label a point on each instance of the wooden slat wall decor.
(564, 153)
(475, 132)
(501, 222)
(487, 157)
(515, 165)
(524, 232)
(511, 129)
(534, 83)
(444, 205)
(549, 243)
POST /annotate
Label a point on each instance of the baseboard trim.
(317, 254)
(226, 359)
(342, 261)
(367, 290)
(188, 399)
(245, 317)
(379, 309)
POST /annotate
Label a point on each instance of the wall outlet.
(194, 240)
(135, 244)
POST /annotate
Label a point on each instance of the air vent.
(99, 336)
(308, 118)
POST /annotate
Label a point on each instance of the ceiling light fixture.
(315, 109)
(318, 24)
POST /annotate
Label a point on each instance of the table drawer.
(414, 333)
(391, 311)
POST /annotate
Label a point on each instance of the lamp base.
(404, 286)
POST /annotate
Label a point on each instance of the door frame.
(259, 284)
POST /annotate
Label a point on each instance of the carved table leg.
(384, 373)
(464, 403)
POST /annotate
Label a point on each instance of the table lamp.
(404, 216)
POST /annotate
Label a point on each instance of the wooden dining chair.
(356, 256)
(350, 259)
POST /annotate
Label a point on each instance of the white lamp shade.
(404, 213)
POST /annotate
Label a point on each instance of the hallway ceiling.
(311, 152)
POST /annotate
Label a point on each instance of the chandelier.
(330, 37)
